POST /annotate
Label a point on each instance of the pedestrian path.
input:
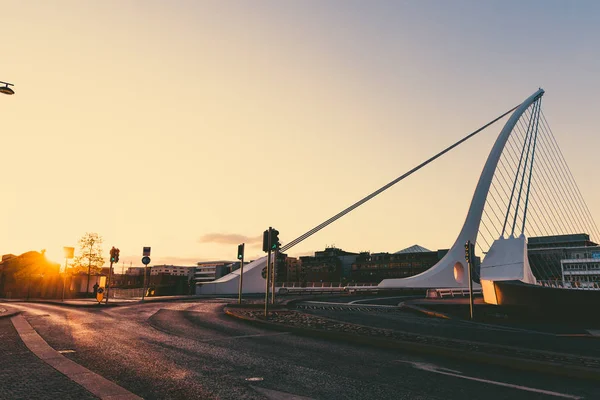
(24, 376)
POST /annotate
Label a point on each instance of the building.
(329, 265)
(29, 275)
(374, 267)
(293, 267)
(559, 258)
(174, 270)
(582, 273)
(208, 271)
(136, 271)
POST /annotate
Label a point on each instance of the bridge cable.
(558, 185)
(511, 152)
(530, 134)
(537, 122)
(574, 182)
(513, 189)
(557, 200)
(385, 187)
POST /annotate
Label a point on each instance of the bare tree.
(90, 255)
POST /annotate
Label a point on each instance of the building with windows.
(374, 267)
(208, 271)
(582, 273)
(559, 258)
(329, 265)
(174, 270)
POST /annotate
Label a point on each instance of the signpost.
(69, 254)
(145, 261)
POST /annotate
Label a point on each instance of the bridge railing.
(570, 285)
(444, 293)
(118, 293)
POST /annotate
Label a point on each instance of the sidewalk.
(91, 302)
(518, 357)
(25, 376)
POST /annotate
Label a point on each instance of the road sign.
(146, 260)
(69, 252)
(146, 252)
(100, 294)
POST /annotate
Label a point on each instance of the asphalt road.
(364, 311)
(190, 350)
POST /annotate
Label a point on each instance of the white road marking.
(457, 374)
(247, 336)
(378, 298)
(66, 351)
(277, 395)
(594, 332)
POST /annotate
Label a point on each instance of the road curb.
(523, 364)
(92, 382)
(8, 314)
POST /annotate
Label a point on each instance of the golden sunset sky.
(190, 126)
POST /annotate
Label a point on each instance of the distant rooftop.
(577, 239)
(414, 249)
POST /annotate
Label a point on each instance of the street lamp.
(6, 88)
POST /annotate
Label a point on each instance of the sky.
(193, 126)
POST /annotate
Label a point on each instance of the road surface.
(191, 350)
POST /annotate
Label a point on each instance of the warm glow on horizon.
(193, 126)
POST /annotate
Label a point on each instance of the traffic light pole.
(108, 282)
(275, 254)
(470, 273)
(267, 275)
(241, 275)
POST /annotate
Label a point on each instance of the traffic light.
(274, 239)
(266, 241)
(240, 251)
(114, 255)
(469, 251)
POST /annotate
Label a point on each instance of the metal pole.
(87, 288)
(470, 270)
(64, 279)
(108, 282)
(144, 289)
(241, 277)
(267, 277)
(275, 253)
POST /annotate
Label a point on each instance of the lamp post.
(6, 88)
